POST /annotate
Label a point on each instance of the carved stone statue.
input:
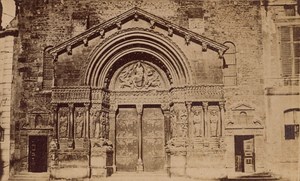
(96, 124)
(197, 121)
(139, 76)
(106, 125)
(63, 124)
(79, 124)
(38, 121)
(182, 124)
(214, 121)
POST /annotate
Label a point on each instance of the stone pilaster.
(140, 165)
(190, 126)
(55, 122)
(205, 121)
(112, 131)
(71, 126)
(222, 118)
(166, 111)
(87, 121)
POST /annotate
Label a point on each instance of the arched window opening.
(229, 73)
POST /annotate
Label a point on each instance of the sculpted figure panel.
(197, 120)
(79, 122)
(179, 122)
(63, 116)
(95, 120)
(139, 76)
(214, 121)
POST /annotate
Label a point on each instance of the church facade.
(189, 89)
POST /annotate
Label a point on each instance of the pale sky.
(8, 11)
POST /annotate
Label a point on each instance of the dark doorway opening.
(37, 158)
(244, 153)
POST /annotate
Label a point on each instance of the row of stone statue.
(99, 123)
(195, 121)
(198, 123)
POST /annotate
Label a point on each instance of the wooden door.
(153, 139)
(126, 139)
(249, 154)
(37, 158)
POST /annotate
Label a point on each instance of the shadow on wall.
(1, 164)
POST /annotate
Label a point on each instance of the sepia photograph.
(149, 90)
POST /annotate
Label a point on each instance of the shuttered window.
(290, 50)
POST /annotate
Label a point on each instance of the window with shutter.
(291, 127)
(290, 50)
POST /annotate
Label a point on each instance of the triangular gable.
(243, 107)
(136, 13)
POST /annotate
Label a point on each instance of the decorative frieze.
(71, 95)
(197, 93)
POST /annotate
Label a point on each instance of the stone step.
(258, 176)
(25, 176)
(146, 176)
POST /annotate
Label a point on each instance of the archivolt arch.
(136, 40)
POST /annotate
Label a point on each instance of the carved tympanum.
(140, 76)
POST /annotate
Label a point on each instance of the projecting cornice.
(136, 14)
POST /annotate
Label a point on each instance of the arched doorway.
(135, 70)
(139, 125)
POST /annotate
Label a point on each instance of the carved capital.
(222, 105)
(54, 108)
(87, 105)
(165, 107)
(188, 105)
(71, 106)
(139, 108)
(205, 105)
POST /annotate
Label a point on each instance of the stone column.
(55, 122)
(222, 118)
(140, 165)
(166, 111)
(71, 126)
(190, 121)
(205, 121)
(112, 132)
(87, 121)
